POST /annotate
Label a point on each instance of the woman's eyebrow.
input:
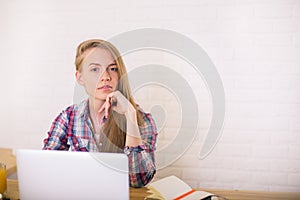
(112, 63)
(97, 64)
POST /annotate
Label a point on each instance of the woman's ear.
(79, 78)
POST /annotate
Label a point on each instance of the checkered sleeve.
(141, 158)
(57, 136)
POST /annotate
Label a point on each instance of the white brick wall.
(255, 46)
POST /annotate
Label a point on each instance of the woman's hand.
(118, 103)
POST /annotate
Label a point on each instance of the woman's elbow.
(141, 179)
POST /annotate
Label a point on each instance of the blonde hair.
(115, 126)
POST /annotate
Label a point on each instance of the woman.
(109, 120)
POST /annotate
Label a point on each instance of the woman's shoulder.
(142, 112)
(146, 116)
(76, 108)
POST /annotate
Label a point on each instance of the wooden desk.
(141, 193)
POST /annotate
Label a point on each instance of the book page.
(171, 187)
(197, 195)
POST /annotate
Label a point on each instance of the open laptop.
(44, 174)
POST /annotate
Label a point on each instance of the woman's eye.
(113, 69)
(95, 69)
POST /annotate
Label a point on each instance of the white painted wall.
(255, 46)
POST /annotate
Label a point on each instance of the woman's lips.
(105, 87)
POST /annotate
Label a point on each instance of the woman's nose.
(105, 76)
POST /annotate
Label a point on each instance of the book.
(174, 188)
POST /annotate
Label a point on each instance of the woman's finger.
(107, 106)
(104, 107)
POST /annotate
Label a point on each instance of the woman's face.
(99, 73)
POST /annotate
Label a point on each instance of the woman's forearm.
(133, 137)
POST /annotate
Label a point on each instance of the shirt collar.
(83, 109)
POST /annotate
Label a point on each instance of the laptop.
(49, 175)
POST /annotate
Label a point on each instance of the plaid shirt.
(72, 130)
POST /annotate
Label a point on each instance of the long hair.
(114, 129)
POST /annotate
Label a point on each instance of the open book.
(174, 188)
